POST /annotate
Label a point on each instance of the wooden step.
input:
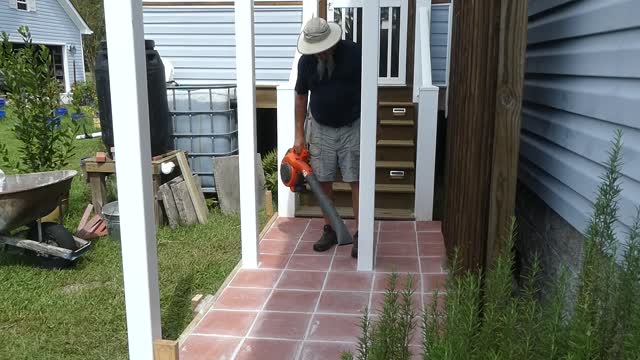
(397, 130)
(380, 188)
(395, 150)
(347, 213)
(407, 110)
(396, 143)
(395, 165)
(399, 122)
(394, 196)
(396, 103)
(395, 172)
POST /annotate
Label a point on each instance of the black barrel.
(156, 91)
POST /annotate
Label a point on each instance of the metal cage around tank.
(204, 123)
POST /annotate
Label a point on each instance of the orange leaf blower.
(294, 172)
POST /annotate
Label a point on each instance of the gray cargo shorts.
(332, 148)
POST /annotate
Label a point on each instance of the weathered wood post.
(483, 135)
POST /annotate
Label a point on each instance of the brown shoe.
(354, 249)
(328, 239)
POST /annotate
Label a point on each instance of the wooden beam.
(166, 350)
(266, 97)
(486, 71)
(506, 145)
(196, 196)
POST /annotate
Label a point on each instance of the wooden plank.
(201, 199)
(169, 204)
(266, 98)
(268, 202)
(166, 350)
(200, 207)
(36, 246)
(85, 217)
(506, 145)
(108, 167)
(184, 204)
(98, 191)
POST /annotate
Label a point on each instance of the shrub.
(83, 94)
(270, 167)
(33, 93)
(484, 315)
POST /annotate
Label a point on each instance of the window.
(22, 5)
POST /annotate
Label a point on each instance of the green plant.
(33, 92)
(390, 336)
(83, 94)
(484, 315)
(270, 167)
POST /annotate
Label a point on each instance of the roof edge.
(75, 17)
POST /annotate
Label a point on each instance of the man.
(330, 69)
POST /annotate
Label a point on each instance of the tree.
(92, 11)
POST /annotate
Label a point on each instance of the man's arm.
(301, 113)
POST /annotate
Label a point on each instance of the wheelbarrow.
(24, 200)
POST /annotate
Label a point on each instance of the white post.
(128, 79)
(426, 153)
(286, 136)
(246, 79)
(368, 128)
(309, 10)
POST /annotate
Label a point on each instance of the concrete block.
(226, 174)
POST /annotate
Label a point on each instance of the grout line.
(324, 284)
(275, 339)
(237, 350)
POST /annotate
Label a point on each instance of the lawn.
(79, 313)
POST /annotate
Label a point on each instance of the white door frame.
(401, 80)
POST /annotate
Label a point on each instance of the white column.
(246, 80)
(369, 116)
(127, 72)
(426, 153)
(286, 136)
(309, 10)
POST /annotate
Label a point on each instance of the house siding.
(440, 28)
(582, 82)
(200, 41)
(49, 24)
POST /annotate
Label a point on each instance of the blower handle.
(344, 237)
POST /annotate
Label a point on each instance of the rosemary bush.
(270, 167)
(483, 315)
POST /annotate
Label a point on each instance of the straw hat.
(318, 35)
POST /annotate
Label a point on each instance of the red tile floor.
(305, 305)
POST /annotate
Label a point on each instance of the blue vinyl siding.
(439, 43)
(582, 83)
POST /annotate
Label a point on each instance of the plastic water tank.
(204, 125)
(156, 91)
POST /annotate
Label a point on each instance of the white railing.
(287, 118)
(426, 95)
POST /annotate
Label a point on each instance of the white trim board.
(75, 17)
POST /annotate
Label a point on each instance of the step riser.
(393, 153)
(343, 199)
(386, 112)
(383, 176)
(397, 133)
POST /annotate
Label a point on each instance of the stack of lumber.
(91, 228)
(182, 197)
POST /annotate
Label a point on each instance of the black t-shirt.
(334, 102)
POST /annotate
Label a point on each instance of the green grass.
(79, 313)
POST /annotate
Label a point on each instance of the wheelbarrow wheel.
(54, 234)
